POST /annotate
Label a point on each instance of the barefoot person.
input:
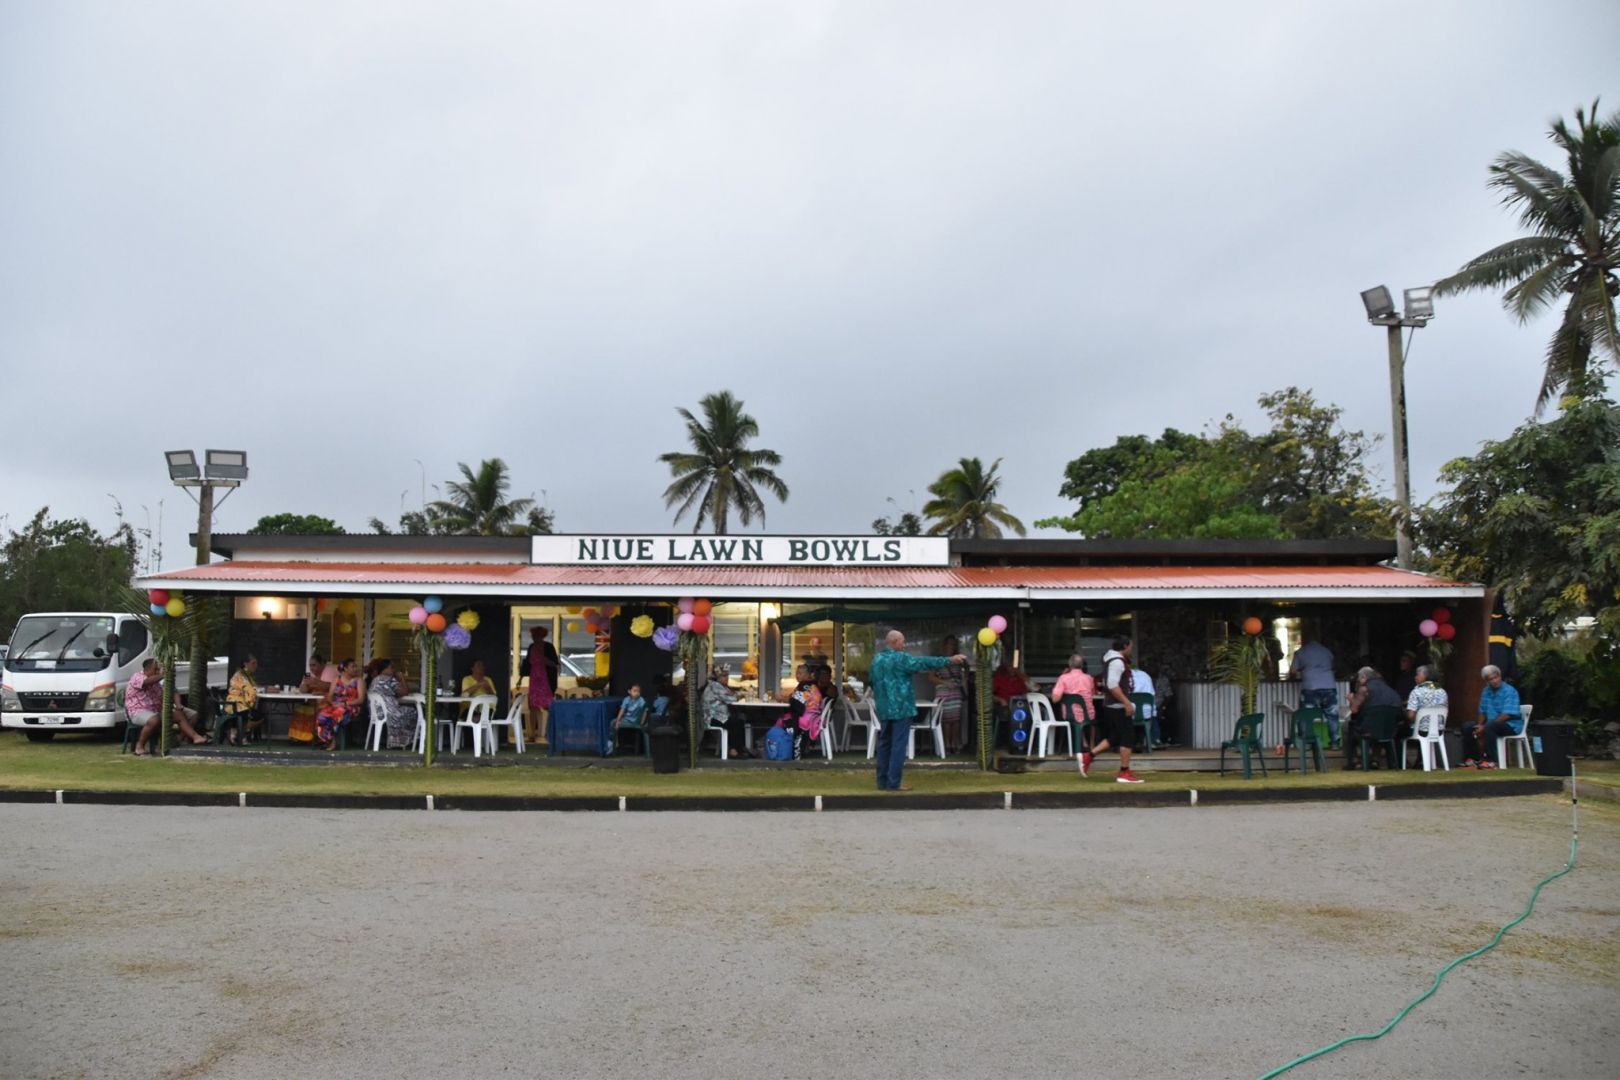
(897, 704)
(143, 704)
(1117, 712)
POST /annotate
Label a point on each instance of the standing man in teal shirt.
(897, 704)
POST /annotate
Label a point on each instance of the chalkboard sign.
(278, 643)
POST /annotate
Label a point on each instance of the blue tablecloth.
(580, 724)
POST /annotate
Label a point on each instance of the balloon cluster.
(992, 630)
(1438, 625)
(164, 604)
(597, 620)
(694, 615)
(429, 615)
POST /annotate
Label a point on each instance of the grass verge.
(94, 764)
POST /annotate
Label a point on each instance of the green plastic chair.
(645, 741)
(1246, 737)
(132, 732)
(1308, 727)
(1067, 704)
(1379, 724)
(1140, 700)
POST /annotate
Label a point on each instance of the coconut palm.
(477, 504)
(721, 472)
(1572, 250)
(964, 504)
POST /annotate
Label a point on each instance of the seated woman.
(387, 687)
(477, 682)
(804, 711)
(950, 691)
(241, 705)
(340, 705)
(717, 699)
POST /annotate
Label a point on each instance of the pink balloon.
(684, 620)
(1428, 628)
(419, 615)
(998, 624)
(684, 606)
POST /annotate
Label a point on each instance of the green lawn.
(82, 763)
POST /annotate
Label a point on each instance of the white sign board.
(696, 550)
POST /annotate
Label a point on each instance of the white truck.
(66, 670)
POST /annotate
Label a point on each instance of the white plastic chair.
(720, 730)
(378, 712)
(829, 713)
(477, 721)
(932, 723)
(854, 719)
(513, 720)
(1429, 732)
(1521, 741)
(1044, 721)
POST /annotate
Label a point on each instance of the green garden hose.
(1574, 839)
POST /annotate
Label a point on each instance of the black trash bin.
(1557, 741)
(666, 748)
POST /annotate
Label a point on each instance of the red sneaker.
(1085, 762)
(1126, 777)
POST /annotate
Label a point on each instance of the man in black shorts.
(1117, 712)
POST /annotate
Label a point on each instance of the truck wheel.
(40, 736)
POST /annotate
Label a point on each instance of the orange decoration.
(701, 607)
(1252, 626)
(435, 623)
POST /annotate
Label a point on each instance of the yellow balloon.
(175, 607)
(987, 637)
(572, 610)
(573, 628)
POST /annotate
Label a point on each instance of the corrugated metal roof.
(774, 582)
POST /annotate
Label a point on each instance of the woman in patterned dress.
(339, 706)
(385, 691)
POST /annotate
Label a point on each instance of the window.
(131, 641)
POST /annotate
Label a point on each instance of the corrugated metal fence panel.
(1210, 710)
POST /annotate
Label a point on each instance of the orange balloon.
(435, 623)
(1252, 626)
(701, 607)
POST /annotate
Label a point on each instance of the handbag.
(301, 728)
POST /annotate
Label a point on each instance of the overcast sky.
(345, 236)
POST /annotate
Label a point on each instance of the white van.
(64, 671)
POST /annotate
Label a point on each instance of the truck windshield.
(59, 643)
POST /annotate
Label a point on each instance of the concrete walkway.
(173, 942)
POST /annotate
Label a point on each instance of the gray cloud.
(343, 237)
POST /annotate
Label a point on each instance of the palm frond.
(1502, 265)
(1538, 291)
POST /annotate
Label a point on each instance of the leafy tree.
(964, 503)
(1208, 497)
(721, 472)
(477, 504)
(295, 525)
(1572, 250)
(1306, 477)
(1097, 473)
(907, 524)
(1538, 514)
(413, 523)
(51, 565)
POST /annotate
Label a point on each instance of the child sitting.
(632, 711)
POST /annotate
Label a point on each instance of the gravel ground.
(169, 942)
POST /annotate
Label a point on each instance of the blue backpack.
(778, 744)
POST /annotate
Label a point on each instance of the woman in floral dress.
(339, 706)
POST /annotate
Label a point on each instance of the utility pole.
(224, 469)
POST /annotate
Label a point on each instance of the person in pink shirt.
(143, 704)
(1076, 683)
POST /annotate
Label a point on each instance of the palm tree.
(477, 503)
(964, 504)
(721, 472)
(1572, 250)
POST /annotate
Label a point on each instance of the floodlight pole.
(1403, 465)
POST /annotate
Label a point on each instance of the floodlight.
(182, 465)
(1379, 304)
(1419, 303)
(227, 465)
